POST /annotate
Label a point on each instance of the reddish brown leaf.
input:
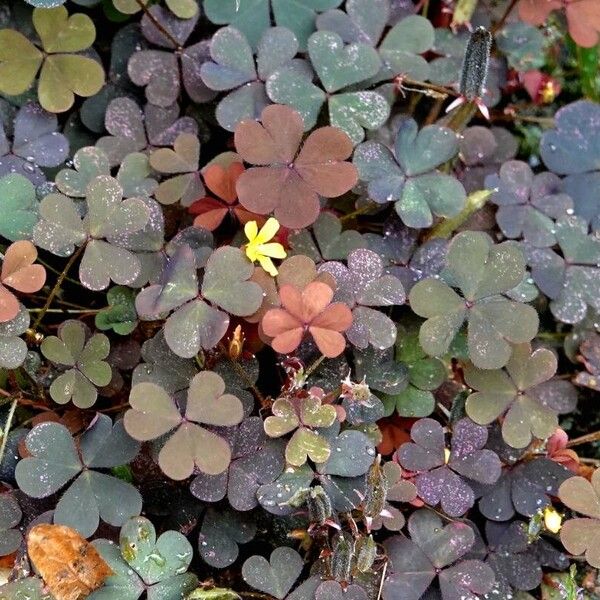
(221, 181)
(583, 17)
(19, 273)
(321, 162)
(220, 177)
(308, 310)
(210, 211)
(535, 12)
(277, 321)
(297, 270)
(395, 431)
(18, 270)
(336, 317)
(287, 183)
(9, 305)
(260, 189)
(275, 141)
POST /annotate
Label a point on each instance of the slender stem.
(359, 211)
(382, 581)
(445, 228)
(545, 121)
(7, 426)
(312, 368)
(434, 112)
(431, 87)
(59, 301)
(33, 404)
(548, 335)
(509, 115)
(500, 24)
(55, 270)
(243, 374)
(57, 285)
(159, 26)
(584, 439)
(68, 311)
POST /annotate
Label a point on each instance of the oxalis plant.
(299, 300)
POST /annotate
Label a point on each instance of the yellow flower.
(552, 519)
(257, 248)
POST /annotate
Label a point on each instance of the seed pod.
(475, 64)
(366, 551)
(341, 559)
(376, 490)
(319, 505)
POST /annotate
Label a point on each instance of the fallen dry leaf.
(69, 565)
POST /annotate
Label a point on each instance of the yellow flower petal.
(268, 231)
(252, 252)
(274, 250)
(267, 264)
(251, 230)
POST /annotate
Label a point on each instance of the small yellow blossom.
(552, 519)
(257, 248)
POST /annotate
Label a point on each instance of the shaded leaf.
(276, 576)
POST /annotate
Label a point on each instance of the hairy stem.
(424, 87)
(434, 111)
(312, 368)
(242, 373)
(57, 272)
(7, 426)
(382, 580)
(584, 439)
(57, 286)
(550, 336)
(511, 116)
(500, 24)
(359, 211)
